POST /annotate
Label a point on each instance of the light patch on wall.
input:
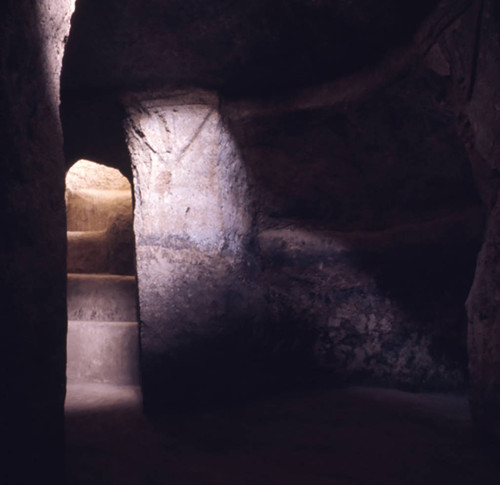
(190, 185)
(54, 21)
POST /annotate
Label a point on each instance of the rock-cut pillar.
(192, 229)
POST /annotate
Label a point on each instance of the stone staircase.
(102, 340)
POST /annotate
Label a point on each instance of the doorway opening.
(102, 342)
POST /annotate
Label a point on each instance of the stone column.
(192, 227)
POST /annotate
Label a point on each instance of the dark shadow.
(255, 47)
(93, 129)
(313, 437)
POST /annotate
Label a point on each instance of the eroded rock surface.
(472, 47)
(32, 247)
(368, 225)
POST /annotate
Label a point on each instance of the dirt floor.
(314, 437)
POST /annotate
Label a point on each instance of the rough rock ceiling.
(240, 47)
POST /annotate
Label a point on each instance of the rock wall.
(471, 46)
(32, 247)
(368, 226)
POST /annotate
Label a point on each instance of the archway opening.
(99, 220)
(102, 343)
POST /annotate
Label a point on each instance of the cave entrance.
(102, 342)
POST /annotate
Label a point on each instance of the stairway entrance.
(102, 341)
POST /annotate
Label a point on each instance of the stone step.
(87, 252)
(102, 352)
(105, 251)
(94, 210)
(104, 298)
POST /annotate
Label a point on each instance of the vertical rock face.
(192, 228)
(473, 50)
(368, 226)
(484, 331)
(32, 248)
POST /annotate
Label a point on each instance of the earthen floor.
(314, 437)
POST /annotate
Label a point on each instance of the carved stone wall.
(32, 247)
(368, 225)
